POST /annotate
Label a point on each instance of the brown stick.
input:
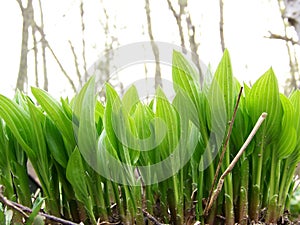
(235, 160)
(152, 218)
(223, 151)
(7, 202)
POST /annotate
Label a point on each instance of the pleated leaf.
(224, 77)
(56, 113)
(18, 122)
(288, 136)
(295, 100)
(264, 97)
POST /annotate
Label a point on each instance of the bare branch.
(7, 202)
(223, 152)
(152, 218)
(56, 59)
(62, 68)
(75, 62)
(177, 16)
(280, 37)
(24, 210)
(234, 161)
(20, 5)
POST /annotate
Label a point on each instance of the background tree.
(37, 51)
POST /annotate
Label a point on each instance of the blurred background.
(51, 44)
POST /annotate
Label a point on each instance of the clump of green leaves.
(66, 142)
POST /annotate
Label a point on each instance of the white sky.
(246, 24)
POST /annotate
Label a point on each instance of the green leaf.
(186, 81)
(39, 147)
(55, 143)
(35, 211)
(264, 97)
(84, 110)
(224, 77)
(130, 100)
(21, 184)
(288, 136)
(56, 112)
(76, 176)
(112, 99)
(167, 114)
(295, 100)
(143, 117)
(18, 122)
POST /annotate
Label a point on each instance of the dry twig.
(280, 37)
(24, 210)
(223, 151)
(152, 218)
(234, 161)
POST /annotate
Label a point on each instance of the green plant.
(65, 140)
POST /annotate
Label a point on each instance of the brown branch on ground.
(234, 161)
(223, 153)
(24, 210)
(152, 218)
(7, 202)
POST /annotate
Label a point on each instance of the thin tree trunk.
(27, 13)
(222, 25)
(35, 51)
(158, 81)
(44, 45)
(83, 41)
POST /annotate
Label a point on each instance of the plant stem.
(243, 193)
(273, 196)
(256, 185)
